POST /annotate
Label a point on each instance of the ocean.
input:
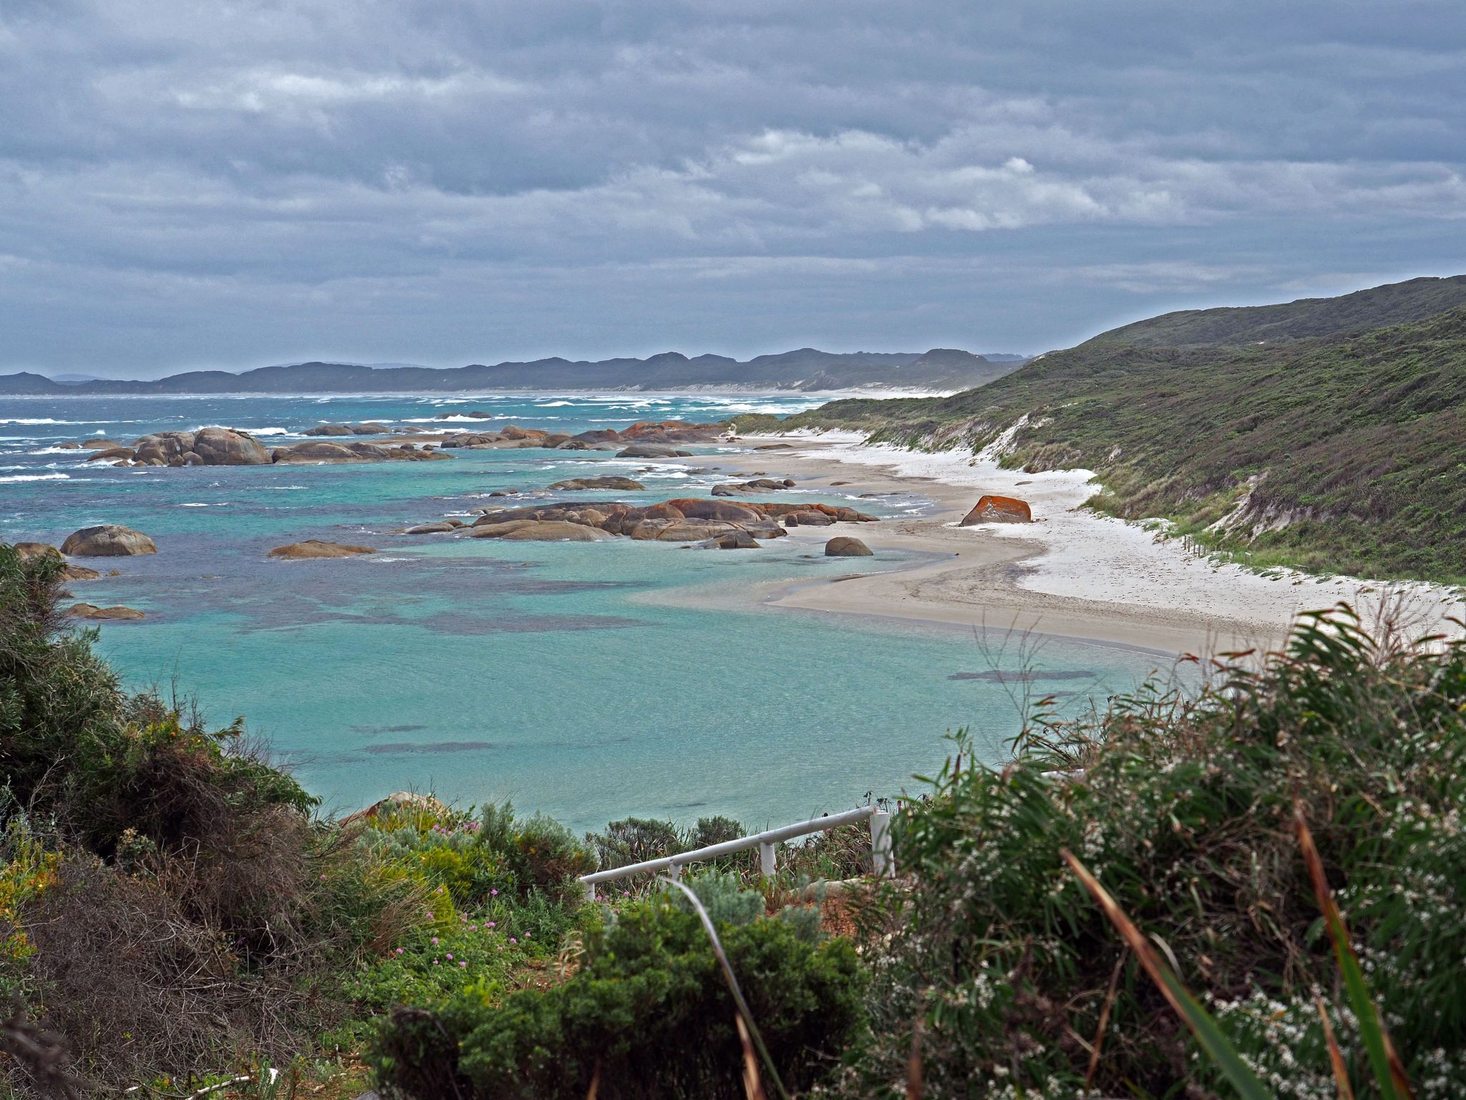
(549, 674)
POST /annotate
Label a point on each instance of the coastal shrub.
(27, 870)
(635, 839)
(647, 1015)
(167, 903)
(450, 856)
(1181, 805)
(548, 857)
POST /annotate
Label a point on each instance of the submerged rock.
(532, 530)
(107, 541)
(318, 548)
(652, 450)
(92, 611)
(576, 484)
(757, 485)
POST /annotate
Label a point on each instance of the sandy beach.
(1070, 573)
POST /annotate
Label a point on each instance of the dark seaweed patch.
(427, 747)
(1024, 676)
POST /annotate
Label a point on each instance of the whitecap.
(446, 420)
(35, 477)
(555, 404)
(29, 421)
(249, 431)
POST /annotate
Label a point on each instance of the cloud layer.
(442, 181)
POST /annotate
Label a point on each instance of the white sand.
(1072, 571)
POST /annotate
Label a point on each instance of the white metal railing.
(765, 842)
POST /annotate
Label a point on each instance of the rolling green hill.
(1340, 452)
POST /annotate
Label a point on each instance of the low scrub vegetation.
(173, 916)
(1334, 454)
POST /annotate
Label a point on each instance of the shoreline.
(1070, 574)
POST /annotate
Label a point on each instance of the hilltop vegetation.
(1305, 319)
(1333, 453)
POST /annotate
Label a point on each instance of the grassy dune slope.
(1339, 454)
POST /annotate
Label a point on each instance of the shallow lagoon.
(544, 673)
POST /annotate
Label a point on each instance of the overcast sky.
(211, 184)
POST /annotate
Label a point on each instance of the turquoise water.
(545, 673)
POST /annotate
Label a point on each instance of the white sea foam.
(251, 431)
(446, 420)
(46, 421)
(555, 404)
(56, 451)
(34, 477)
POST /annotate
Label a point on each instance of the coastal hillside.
(806, 369)
(1317, 446)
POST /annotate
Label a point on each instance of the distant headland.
(806, 369)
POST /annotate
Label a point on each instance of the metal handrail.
(880, 847)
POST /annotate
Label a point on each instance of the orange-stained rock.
(996, 509)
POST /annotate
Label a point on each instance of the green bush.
(184, 906)
(1182, 807)
(647, 1015)
(635, 839)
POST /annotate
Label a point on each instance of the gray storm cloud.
(211, 184)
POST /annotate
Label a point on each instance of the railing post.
(766, 858)
(676, 872)
(880, 844)
(590, 891)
